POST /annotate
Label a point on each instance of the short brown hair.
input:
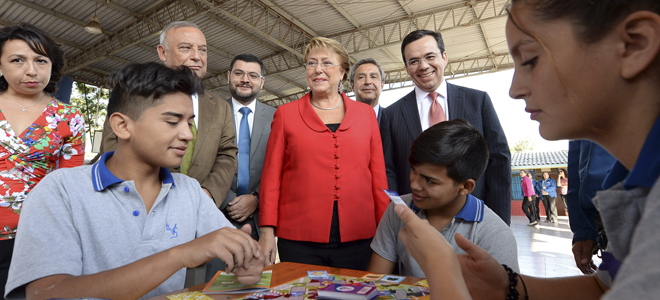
(334, 46)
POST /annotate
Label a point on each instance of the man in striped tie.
(434, 100)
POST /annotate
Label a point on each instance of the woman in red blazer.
(321, 186)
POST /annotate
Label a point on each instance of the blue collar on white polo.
(473, 210)
(103, 178)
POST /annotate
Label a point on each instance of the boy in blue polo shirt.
(126, 227)
(446, 161)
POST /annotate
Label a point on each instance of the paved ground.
(545, 250)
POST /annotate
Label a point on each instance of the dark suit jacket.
(214, 159)
(401, 125)
(263, 116)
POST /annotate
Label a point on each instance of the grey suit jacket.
(214, 158)
(263, 116)
(400, 126)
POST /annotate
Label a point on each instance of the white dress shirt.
(376, 108)
(424, 103)
(195, 100)
(238, 116)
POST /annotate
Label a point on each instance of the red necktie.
(436, 113)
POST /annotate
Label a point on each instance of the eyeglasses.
(429, 59)
(324, 65)
(252, 75)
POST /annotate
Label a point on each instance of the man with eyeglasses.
(432, 101)
(367, 83)
(251, 119)
(211, 155)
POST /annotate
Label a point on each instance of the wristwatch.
(256, 196)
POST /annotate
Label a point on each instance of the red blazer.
(308, 167)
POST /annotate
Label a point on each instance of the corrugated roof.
(531, 159)
(276, 30)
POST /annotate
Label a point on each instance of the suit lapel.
(258, 127)
(411, 115)
(206, 107)
(455, 102)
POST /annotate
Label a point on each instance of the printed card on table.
(393, 278)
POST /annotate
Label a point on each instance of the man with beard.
(367, 83)
(252, 124)
(432, 101)
(211, 155)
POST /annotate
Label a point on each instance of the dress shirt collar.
(646, 169)
(103, 178)
(421, 95)
(472, 211)
(237, 105)
(376, 108)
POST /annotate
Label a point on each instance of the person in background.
(367, 81)
(616, 45)
(528, 194)
(548, 187)
(323, 179)
(562, 182)
(588, 165)
(211, 155)
(536, 198)
(252, 119)
(38, 133)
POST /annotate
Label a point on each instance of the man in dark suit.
(434, 100)
(252, 124)
(367, 83)
(212, 157)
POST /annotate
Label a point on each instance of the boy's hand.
(235, 247)
(484, 276)
(252, 274)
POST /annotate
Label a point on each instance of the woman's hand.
(267, 241)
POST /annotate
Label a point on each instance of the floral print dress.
(56, 139)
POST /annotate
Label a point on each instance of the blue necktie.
(243, 153)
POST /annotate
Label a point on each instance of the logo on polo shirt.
(172, 230)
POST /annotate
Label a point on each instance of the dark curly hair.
(40, 43)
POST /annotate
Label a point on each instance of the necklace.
(323, 108)
(24, 108)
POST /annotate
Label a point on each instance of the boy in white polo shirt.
(446, 161)
(126, 227)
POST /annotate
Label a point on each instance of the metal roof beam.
(56, 39)
(136, 32)
(243, 32)
(55, 14)
(118, 8)
(289, 17)
(255, 16)
(357, 24)
(481, 25)
(393, 32)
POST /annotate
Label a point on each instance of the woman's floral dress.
(56, 139)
